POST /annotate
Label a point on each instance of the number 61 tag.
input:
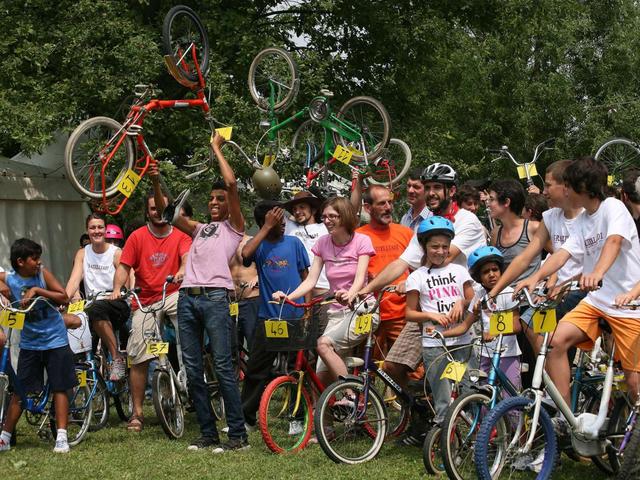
(454, 371)
(363, 324)
(501, 323)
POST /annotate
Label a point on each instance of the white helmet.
(439, 172)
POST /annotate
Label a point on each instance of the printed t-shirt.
(439, 289)
(153, 259)
(279, 265)
(586, 241)
(389, 245)
(559, 228)
(341, 261)
(469, 237)
(213, 246)
(98, 269)
(504, 301)
(43, 326)
(309, 235)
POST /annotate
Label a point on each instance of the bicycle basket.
(291, 334)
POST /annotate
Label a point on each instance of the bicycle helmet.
(482, 255)
(439, 172)
(267, 183)
(113, 232)
(434, 226)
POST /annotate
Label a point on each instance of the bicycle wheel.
(213, 388)
(273, 72)
(619, 154)
(348, 429)
(459, 429)
(89, 145)
(123, 403)
(398, 412)
(393, 163)
(502, 434)
(284, 427)
(100, 403)
(616, 431)
(182, 31)
(308, 140)
(80, 415)
(167, 404)
(367, 117)
(432, 452)
(630, 456)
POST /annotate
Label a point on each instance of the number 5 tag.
(501, 323)
(454, 371)
(13, 320)
(363, 324)
(544, 321)
(82, 378)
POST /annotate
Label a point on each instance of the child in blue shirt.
(43, 342)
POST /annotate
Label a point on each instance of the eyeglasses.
(331, 216)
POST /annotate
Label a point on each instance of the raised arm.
(272, 218)
(233, 198)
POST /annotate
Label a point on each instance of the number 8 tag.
(501, 323)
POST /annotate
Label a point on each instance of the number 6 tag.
(454, 371)
(501, 323)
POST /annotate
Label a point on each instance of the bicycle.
(39, 407)
(285, 414)
(529, 442)
(352, 419)
(619, 155)
(526, 170)
(104, 159)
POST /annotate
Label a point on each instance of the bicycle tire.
(78, 164)
(495, 432)
(100, 404)
(616, 431)
(457, 446)
(630, 465)
(592, 404)
(213, 388)
(312, 132)
(396, 153)
(397, 411)
(432, 452)
(80, 415)
(343, 436)
(175, 44)
(123, 403)
(375, 128)
(275, 63)
(168, 407)
(619, 154)
(275, 416)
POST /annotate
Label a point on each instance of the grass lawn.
(114, 453)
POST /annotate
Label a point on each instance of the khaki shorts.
(341, 331)
(626, 333)
(142, 327)
(407, 349)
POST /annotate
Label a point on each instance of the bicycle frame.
(302, 368)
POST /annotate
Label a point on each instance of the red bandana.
(453, 209)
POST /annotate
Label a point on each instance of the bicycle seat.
(604, 325)
(326, 93)
(477, 373)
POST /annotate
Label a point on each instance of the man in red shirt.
(153, 252)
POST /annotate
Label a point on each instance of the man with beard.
(416, 199)
(153, 251)
(389, 241)
(406, 354)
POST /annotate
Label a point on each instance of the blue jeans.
(210, 313)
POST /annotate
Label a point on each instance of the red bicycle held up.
(104, 159)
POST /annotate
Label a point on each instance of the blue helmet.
(435, 226)
(482, 255)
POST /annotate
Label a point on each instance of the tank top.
(512, 251)
(43, 327)
(98, 269)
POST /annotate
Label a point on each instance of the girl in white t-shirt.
(486, 265)
(437, 296)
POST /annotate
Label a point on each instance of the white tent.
(38, 202)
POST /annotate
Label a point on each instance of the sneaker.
(233, 444)
(412, 439)
(4, 446)
(203, 442)
(296, 427)
(248, 427)
(561, 429)
(62, 446)
(118, 369)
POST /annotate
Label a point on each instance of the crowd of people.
(442, 258)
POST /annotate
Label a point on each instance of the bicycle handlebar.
(305, 305)
(24, 310)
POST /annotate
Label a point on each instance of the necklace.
(333, 245)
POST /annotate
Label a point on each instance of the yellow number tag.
(342, 154)
(454, 371)
(128, 183)
(233, 309)
(268, 160)
(82, 378)
(611, 180)
(158, 348)
(363, 324)
(224, 132)
(501, 323)
(544, 321)
(13, 320)
(76, 307)
(522, 173)
(276, 329)
(128, 361)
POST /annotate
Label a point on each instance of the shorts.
(116, 311)
(407, 349)
(60, 366)
(340, 330)
(143, 327)
(387, 334)
(626, 333)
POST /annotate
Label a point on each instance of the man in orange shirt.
(389, 241)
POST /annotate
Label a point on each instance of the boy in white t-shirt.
(605, 237)
(437, 297)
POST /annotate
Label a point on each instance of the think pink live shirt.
(208, 262)
(341, 261)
